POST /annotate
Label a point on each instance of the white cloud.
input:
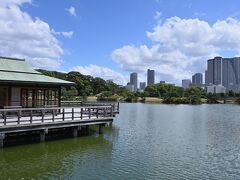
(180, 47)
(103, 72)
(26, 37)
(67, 34)
(72, 11)
(157, 15)
(13, 2)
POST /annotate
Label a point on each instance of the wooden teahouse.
(22, 86)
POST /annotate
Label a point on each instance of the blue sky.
(111, 38)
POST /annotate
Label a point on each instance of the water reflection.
(146, 141)
(64, 159)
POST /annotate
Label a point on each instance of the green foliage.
(69, 94)
(231, 93)
(175, 95)
(175, 100)
(212, 98)
(237, 100)
(194, 99)
(107, 96)
(163, 90)
(131, 98)
(85, 85)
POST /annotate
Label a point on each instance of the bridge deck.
(44, 119)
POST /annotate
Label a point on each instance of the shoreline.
(155, 100)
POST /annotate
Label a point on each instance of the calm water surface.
(146, 142)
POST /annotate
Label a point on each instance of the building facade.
(150, 77)
(130, 87)
(197, 79)
(225, 72)
(22, 86)
(186, 83)
(134, 81)
(142, 85)
(216, 89)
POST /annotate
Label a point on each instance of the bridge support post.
(75, 131)
(100, 130)
(87, 129)
(2, 137)
(43, 135)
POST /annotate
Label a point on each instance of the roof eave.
(39, 83)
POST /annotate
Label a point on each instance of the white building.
(216, 89)
(186, 83)
(130, 87)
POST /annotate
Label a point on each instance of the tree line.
(86, 85)
(109, 91)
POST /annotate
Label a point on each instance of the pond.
(146, 141)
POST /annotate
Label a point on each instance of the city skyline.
(72, 38)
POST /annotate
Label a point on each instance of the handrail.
(115, 105)
(51, 108)
(42, 115)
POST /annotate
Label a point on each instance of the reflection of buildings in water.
(53, 159)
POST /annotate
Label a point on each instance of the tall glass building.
(197, 79)
(150, 77)
(225, 72)
(134, 81)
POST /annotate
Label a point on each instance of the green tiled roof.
(18, 71)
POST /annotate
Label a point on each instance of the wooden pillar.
(33, 98)
(59, 96)
(9, 95)
(44, 98)
(100, 129)
(87, 129)
(2, 137)
(75, 132)
(43, 135)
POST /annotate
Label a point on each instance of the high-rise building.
(197, 79)
(162, 82)
(134, 81)
(225, 72)
(150, 77)
(142, 85)
(186, 83)
(206, 77)
(130, 87)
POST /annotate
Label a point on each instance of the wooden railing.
(47, 115)
(84, 104)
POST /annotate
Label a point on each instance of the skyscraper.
(197, 79)
(206, 77)
(134, 81)
(150, 77)
(142, 85)
(186, 83)
(224, 71)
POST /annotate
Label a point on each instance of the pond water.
(146, 141)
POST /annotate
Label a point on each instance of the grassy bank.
(153, 100)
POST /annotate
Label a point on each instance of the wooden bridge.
(42, 120)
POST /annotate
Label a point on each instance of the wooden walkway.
(13, 121)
